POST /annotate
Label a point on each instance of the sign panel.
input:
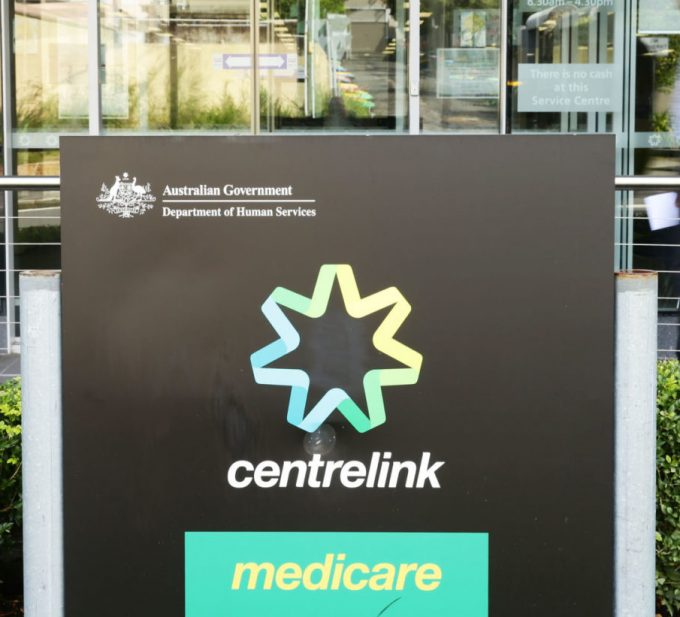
(539, 5)
(464, 73)
(352, 375)
(283, 63)
(359, 573)
(568, 87)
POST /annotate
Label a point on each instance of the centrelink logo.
(381, 471)
(357, 307)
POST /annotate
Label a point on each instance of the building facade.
(184, 67)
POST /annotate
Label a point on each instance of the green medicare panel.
(336, 574)
(349, 376)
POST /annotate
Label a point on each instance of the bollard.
(41, 444)
(635, 442)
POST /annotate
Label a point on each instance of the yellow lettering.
(325, 570)
(288, 576)
(382, 582)
(404, 569)
(428, 572)
(347, 578)
(254, 570)
(334, 574)
(337, 573)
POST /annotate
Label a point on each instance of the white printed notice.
(662, 210)
(569, 87)
(537, 5)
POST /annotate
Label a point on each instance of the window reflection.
(164, 65)
(657, 100)
(460, 65)
(50, 51)
(333, 65)
(567, 74)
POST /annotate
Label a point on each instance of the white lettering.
(382, 472)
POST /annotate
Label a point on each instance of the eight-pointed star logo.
(383, 340)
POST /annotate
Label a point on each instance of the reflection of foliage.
(35, 110)
(38, 234)
(661, 122)
(278, 108)
(666, 66)
(446, 6)
(296, 8)
(157, 117)
(34, 157)
(192, 110)
(37, 163)
(355, 107)
(194, 113)
(478, 23)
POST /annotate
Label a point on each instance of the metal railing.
(30, 183)
(669, 325)
(37, 183)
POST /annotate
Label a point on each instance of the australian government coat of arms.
(126, 198)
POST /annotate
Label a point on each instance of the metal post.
(635, 483)
(41, 444)
(255, 67)
(6, 34)
(94, 63)
(503, 70)
(400, 67)
(414, 67)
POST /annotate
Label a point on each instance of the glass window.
(180, 65)
(656, 133)
(333, 65)
(567, 71)
(36, 162)
(650, 235)
(460, 65)
(2, 140)
(50, 53)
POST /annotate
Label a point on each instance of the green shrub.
(38, 234)
(10, 465)
(668, 487)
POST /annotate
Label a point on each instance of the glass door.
(182, 65)
(460, 65)
(332, 65)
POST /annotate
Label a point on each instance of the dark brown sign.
(441, 307)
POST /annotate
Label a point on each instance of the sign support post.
(41, 444)
(635, 443)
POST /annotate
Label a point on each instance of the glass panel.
(3, 279)
(165, 68)
(37, 230)
(334, 65)
(38, 223)
(2, 137)
(50, 50)
(653, 220)
(34, 244)
(460, 65)
(656, 67)
(566, 71)
(37, 162)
